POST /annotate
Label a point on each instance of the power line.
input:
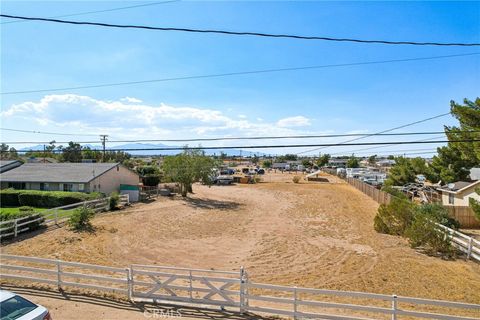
(240, 33)
(255, 137)
(113, 84)
(377, 147)
(100, 11)
(384, 131)
(278, 146)
(52, 133)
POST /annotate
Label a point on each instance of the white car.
(14, 307)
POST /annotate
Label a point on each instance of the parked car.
(261, 171)
(223, 180)
(14, 307)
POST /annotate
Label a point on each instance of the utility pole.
(103, 138)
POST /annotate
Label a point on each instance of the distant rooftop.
(57, 172)
(457, 186)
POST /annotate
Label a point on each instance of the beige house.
(458, 193)
(81, 177)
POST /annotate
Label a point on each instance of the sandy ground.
(309, 234)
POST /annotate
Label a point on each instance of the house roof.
(458, 186)
(57, 172)
(4, 163)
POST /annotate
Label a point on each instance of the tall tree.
(401, 173)
(323, 160)
(352, 162)
(72, 153)
(189, 167)
(454, 161)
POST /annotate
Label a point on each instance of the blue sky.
(369, 98)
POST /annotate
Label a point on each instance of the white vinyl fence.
(12, 228)
(464, 243)
(227, 289)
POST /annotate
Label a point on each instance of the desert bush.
(296, 179)
(394, 218)
(114, 200)
(80, 219)
(394, 192)
(425, 233)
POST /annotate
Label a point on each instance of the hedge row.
(22, 212)
(43, 199)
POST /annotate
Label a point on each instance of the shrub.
(22, 212)
(114, 199)
(394, 192)
(80, 219)
(50, 199)
(9, 198)
(296, 179)
(425, 233)
(394, 218)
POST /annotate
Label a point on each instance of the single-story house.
(6, 165)
(280, 165)
(342, 163)
(458, 193)
(81, 177)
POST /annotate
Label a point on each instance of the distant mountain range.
(126, 147)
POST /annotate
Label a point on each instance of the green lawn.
(9, 211)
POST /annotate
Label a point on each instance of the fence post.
(55, 211)
(469, 250)
(242, 290)
(394, 307)
(129, 283)
(295, 302)
(59, 275)
(190, 290)
(15, 228)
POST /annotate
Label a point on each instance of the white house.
(458, 193)
(81, 177)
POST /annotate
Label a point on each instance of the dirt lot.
(308, 234)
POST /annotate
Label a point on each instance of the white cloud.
(130, 117)
(131, 100)
(297, 121)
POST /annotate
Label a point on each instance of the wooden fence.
(379, 196)
(226, 289)
(54, 216)
(464, 215)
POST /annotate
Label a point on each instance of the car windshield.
(15, 307)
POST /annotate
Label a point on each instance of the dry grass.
(306, 234)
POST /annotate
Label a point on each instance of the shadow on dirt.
(211, 204)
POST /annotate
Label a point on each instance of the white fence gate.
(192, 286)
(227, 289)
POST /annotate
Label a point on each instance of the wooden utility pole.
(103, 138)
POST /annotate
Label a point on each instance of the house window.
(67, 187)
(451, 198)
(42, 186)
(17, 185)
(81, 187)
